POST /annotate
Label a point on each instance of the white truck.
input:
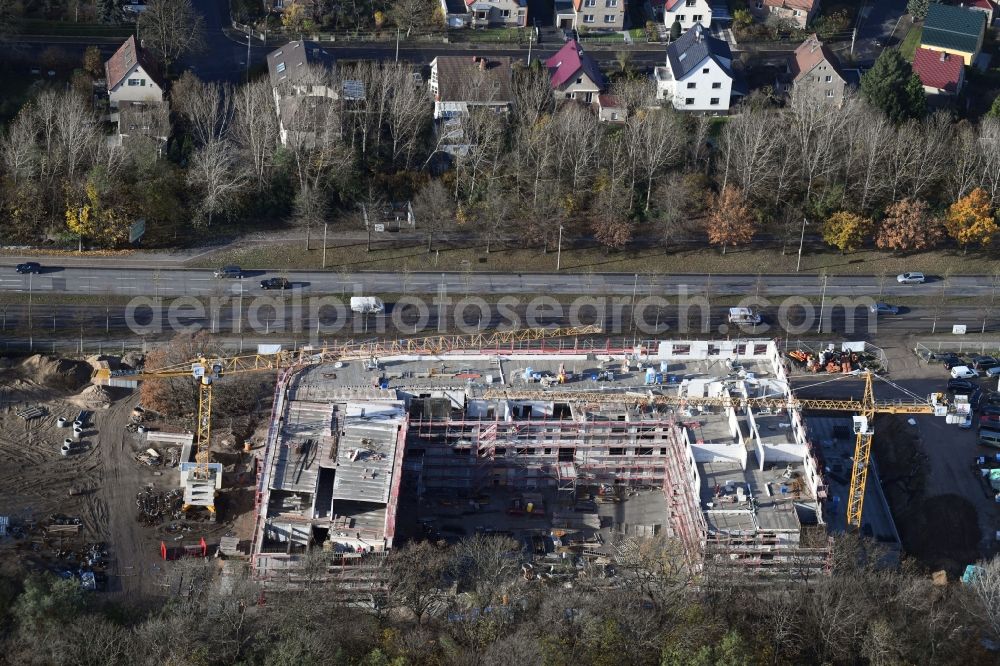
(367, 304)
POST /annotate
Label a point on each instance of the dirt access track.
(96, 484)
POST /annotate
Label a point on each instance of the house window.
(609, 18)
(716, 85)
(692, 85)
(689, 3)
(714, 101)
(133, 82)
(280, 67)
(505, 13)
(588, 18)
(829, 93)
(689, 101)
(829, 78)
(611, 3)
(705, 70)
(696, 18)
(680, 18)
(614, 115)
(590, 3)
(579, 80)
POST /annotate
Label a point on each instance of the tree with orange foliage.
(970, 219)
(907, 227)
(730, 221)
(612, 233)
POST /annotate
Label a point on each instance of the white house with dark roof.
(687, 13)
(130, 76)
(301, 82)
(698, 75)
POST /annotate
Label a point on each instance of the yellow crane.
(866, 409)
(207, 369)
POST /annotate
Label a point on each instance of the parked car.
(990, 409)
(961, 386)
(993, 372)
(987, 419)
(910, 278)
(275, 283)
(229, 272)
(29, 267)
(884, 308)
(984, 363)
(963, 372)
(950, 360)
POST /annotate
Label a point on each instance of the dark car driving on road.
(275, 283)
(29, 267)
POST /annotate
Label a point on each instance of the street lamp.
(822, 303)
(802, 238)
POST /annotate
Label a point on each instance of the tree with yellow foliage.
(847, 231)
(295, 18)
(970, 219)
(97, 222)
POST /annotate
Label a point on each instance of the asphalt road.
(101, 280)
(877, 29)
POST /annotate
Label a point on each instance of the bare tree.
(207, 107)
(18, 149)
(433, 208)
(219, 175)
(255, 129)
(171, 29)
(484, 568)
(77, 133)
(985, 586)
(661, 143)
(532, 93)
(578, 143)
(747, 149)
(415, 576)
(408, 115)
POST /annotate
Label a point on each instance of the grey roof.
(693, 47)
(474, 79)
(291, 62)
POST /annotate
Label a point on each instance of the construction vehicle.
(206, 371)
(865, 411)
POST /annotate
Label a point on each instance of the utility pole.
(397, 44)
(802, 238)
(248, 54)
(822, 304)
(531, 34)
(31, 328)
(325, 225)
(559, 249)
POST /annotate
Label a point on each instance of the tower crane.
(866, 409)
(205, 369)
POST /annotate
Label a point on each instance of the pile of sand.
(93, 397)
(59, 373)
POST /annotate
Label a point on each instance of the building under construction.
(550, 439)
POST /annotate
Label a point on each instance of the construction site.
(578, 449)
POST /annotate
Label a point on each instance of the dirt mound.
(103, 361)
(58, 373)
(93, 397)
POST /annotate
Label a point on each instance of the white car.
(993, 372)
(963, 372)
(910, 278)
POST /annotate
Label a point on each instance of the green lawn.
(910, 43)
(414, 257)
(506, 35)
(603, 38)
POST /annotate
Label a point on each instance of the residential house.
(698, 75)
(941, 73)
(462, 83)
(796, 12)
(130, 76)
(574, 74)
(455, 13)
(814, 68)
(687, 13)
(301, 76)
(609, 110)
(987, 7)
(590, 14)
(498, 13)
(955, 30)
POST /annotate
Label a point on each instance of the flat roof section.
(365, 456)
(305, 446)
(775, 496)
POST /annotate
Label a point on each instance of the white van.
(743, 317)
(367, 304)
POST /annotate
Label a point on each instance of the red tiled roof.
(984, 4)
(809, 54)
(120, 64)
(938, 70)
